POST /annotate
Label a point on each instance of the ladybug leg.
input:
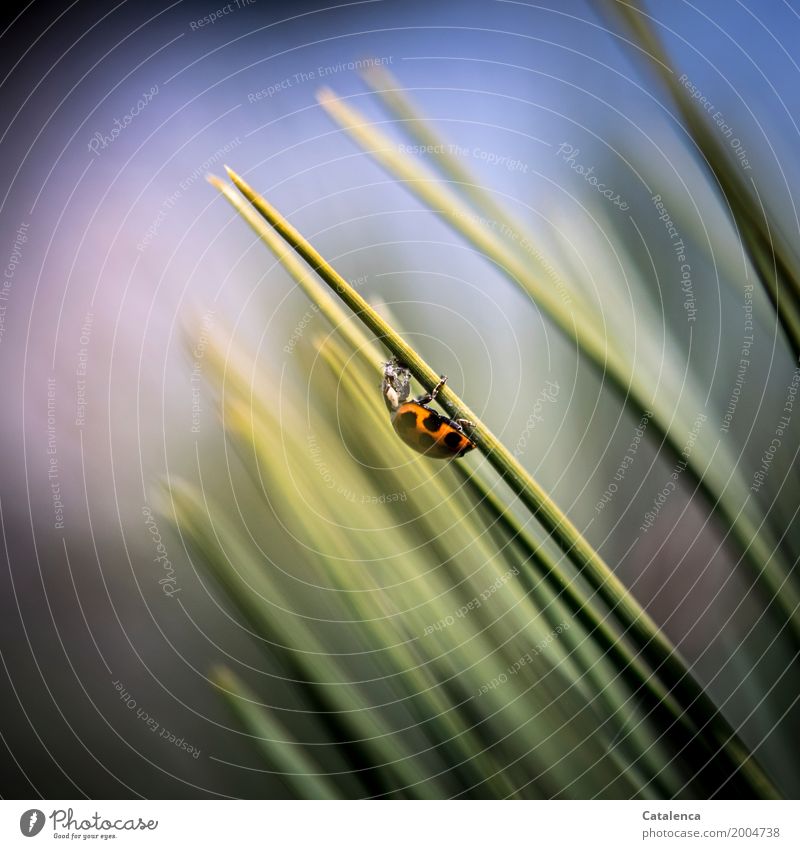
(430, 396)
(462, 423)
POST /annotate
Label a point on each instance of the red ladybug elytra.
(420, 427)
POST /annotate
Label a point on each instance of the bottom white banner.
(401, 824)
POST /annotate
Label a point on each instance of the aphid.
(420, 427)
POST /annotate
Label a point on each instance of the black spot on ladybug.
(408, 419)
(433, 422)
(426, 440)
(453, 439)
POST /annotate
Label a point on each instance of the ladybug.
(420, 427)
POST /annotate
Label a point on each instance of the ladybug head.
(396, 384)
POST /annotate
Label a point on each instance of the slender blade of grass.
(285, 757)
(773, 261)
(419, 128)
